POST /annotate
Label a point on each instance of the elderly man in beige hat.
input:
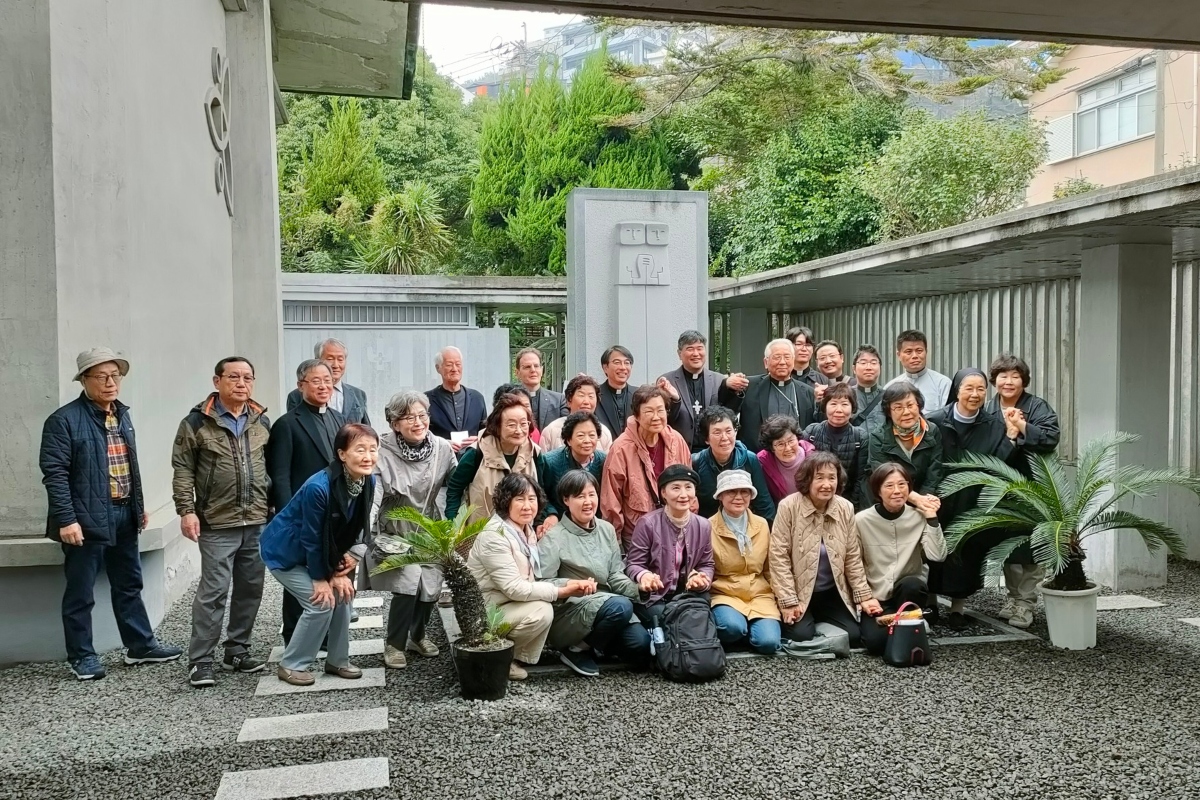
(90, 470)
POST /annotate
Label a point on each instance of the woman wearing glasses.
(504, 447)
(413, 467)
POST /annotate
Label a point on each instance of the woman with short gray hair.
(413, 467)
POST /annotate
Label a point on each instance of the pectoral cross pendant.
(696, 407)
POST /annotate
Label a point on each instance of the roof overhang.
(482, 291)
(1030, 244)
(366, 48)
(1152, 23)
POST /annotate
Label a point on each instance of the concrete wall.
(112, 232)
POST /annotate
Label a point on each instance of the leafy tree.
(803, 199)
(539, 144)
(406, 234)
(938, 173)
(343, 160)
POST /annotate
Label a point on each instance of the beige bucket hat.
(735, 479)
(98, 355)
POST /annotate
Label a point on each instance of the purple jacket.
(652, 549)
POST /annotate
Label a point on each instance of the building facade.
(1120, 114)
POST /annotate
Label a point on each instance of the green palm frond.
(1050, 542)
(431, 541)
(993, 564)
(977, 521)
(957, 481)
(989, 464)
(1154, 534)
(1052, 477)
(497, 626)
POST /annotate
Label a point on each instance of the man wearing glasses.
(301, 445)
(220, 490)
(90, 470)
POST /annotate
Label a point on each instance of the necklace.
(791, 400)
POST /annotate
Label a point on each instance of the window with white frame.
(1116, 111)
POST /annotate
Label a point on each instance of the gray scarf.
(741, 529)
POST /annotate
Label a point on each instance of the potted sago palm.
(1055, 515)
(481, 654)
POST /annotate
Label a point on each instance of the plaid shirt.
(120, 481)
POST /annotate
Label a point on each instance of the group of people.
(800, 495)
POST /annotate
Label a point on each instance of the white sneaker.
(394, 658)
(1010, 608)
(1022, 617)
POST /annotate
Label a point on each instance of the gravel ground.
(1017, 720)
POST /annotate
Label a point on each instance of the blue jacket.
(706, 467)
(74, 462)
(552, 467)
(301, 534)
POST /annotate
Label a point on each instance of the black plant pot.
(482, 674)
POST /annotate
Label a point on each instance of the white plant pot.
(1071, 617)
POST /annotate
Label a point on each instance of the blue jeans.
(123, 564)
(733, 628)
(315, 622)
(613, 633)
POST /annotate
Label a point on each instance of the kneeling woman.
(505, 561)
(583, 547)
(743, 604)
(894, 536)
(671, 549)
(815, 559)
(312, 546)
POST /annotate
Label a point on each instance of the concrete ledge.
(38, 551)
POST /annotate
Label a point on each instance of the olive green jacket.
(220, 477)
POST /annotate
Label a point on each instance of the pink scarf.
(781, 476)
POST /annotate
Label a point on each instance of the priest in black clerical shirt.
(453, 408)
(615, 392)
(776, 392)
(693, 387)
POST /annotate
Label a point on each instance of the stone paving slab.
(1124, 602)
(372, 678)
(304, 780)
(294, 726)
(1191, 621)
(358, 647)
(368, 602)
(367, 622)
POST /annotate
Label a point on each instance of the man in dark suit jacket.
(452, 406)
(776, 392)
(547, 405)
(349, 401)
(693, 387)
(301, 445)
(615, 395)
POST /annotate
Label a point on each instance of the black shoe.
(354, 616)
(158, 654)
(243, 662)
(87, 668)
(581, 662)
(957, 621)
(201, 674)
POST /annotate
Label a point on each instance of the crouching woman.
(743, 604)
(583, 547)
(815, 559)
(313, 545)
(505, 561)
(897, 540)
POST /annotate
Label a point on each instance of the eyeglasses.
(317, 383)
(613, 362)
(105, 378)
(411, 418)
(516, 426)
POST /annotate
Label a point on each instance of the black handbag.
(907, 641)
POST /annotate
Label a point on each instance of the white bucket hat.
(734, 479)
(98, 355)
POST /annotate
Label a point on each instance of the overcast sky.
(465, 42)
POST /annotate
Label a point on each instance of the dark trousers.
(826, 606)
(407, 617)
(123, 565)
(909, 589)
(614, 635)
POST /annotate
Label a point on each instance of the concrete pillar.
(257, 308)
(1124, 385)
(748, 335)
(28, 311)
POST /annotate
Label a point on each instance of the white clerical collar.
(920, 374)
(781, 384)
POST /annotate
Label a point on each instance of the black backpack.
(690, 651)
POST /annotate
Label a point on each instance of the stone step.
(368, 602)
(358, 647)
(1191, 621)
(305, 780)
(367, 622)
(295, 726)
(372, 678)
(1124, 602)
